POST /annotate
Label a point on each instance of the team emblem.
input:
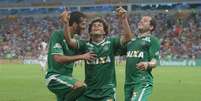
(105, 48)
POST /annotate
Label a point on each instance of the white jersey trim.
(54, 77)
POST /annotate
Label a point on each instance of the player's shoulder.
(149, 37)
(153, 36)
(154, 39)
(57, 32)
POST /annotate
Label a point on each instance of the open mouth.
(96, 32)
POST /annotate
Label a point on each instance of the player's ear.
(151, 28)
(75, 25)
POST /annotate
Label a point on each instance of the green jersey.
(141, 49)
(58, 45)
(100, 72)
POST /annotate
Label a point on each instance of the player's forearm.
(68, 37)
(152, 63)
(127, 31)
(67, 59)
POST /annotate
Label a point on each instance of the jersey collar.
(143, 35)
(98, 43)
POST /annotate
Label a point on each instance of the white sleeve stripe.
(78, 45)
(57, 53)
(115, 94)
(53, 77)
(63, 82)
(142, 93)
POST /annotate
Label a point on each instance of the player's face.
(98, 27)
(81, 26)
(144, 24)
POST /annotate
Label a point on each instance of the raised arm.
(122, 14)
(64, 18)
(67, 59)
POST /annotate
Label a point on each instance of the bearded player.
(141, 58)
(61, 58)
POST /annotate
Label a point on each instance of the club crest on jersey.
(100, 60)
(147, 39)
(137, 54)
(105, 48)
(57, 45)
(90, 49)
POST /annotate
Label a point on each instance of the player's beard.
(78, 31)
(141, 30)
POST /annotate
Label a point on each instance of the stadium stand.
(51, 3)
(179, 29)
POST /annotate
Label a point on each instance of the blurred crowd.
(179, 32)
(21, 37)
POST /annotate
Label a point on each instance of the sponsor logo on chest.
(100, 60)
(136, 54)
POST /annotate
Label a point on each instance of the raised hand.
(64, 16)
(121, 13)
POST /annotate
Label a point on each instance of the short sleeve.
(81, 44)
(117, 46)
(154, 48)
(56, 44)
(115, 41)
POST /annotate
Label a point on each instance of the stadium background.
(25, 24)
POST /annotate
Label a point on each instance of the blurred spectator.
(180, 34)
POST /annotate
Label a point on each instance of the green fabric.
(75, 94)
(110, 95)
(141, 49)
(58, 45)
(59, 76)
(61, 85)
(100, 73)
(137, 93)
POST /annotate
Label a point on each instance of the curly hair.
(105, 26)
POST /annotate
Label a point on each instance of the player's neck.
(72, 31)
(145, 34)
(97, 39)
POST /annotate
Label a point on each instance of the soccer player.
(142, 55)
(43, 56)
(60, 62)
(100, 72)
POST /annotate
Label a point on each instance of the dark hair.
(75, 17)
(101, 21)
(153, 24)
